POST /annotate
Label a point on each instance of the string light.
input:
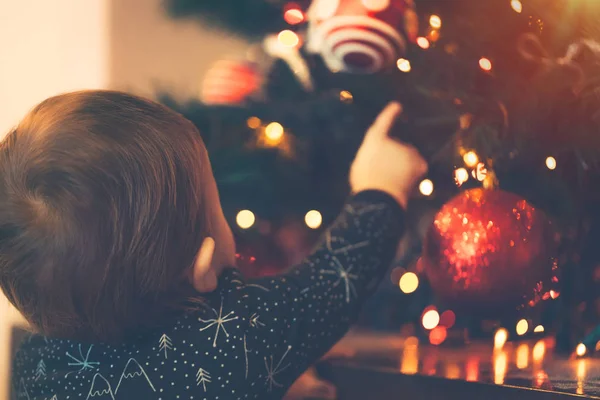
(431, 319)
(423, 42)
(500, 338)
(461, 175)
(274, 132)
(426, 187)
(288, 38)
(485, 64)
(580, 350)
(403, 65)
(516, 5)
(470, 158)
(522, 327)
(551, 163)
(313, 219)
(435, 22)
(245, 219)
(409, 282)
(539, 329)
(293, 16)
(253, 122)
(346, 96)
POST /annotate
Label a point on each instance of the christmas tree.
(497, 94)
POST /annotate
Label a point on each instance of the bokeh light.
(580, 350)
(274, 132)
(409, 282)
(288, 38)
(438, 335)
(516, 5)
(500, 338)
(346, 96)
(403, 65)
(313, 219)
(431, 319)
(522, 327)
(461, 175)
(376, 5)
(423, 43)
(485, 64)
(426, 187)
(435, 22)
(551, 163)
(538, 329)
(245, 219)
(471, 159)
(294, 16)
(448, 319)
(538, 351)
(253, 122)
(522, 356)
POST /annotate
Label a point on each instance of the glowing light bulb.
(245, 219)
(522, 327)
(461, 175)
(403, 65)
(500, 338)
(346, 96)
(288, 38)
(431, 319)
(313, 219)
(293, 16)
(580, 350)
(470, 158)
(435, 22)
(409, 282)
(274, 132)
(376, 5)
(551, 163)
(426, 187)
(253, 122)
(485, 64)
(538, 329)
(423, 42)
(516, 5)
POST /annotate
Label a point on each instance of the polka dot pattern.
(249, 339)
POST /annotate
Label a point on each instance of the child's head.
(107, 207)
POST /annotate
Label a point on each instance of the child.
(115, 249)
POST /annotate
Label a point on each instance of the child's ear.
(204, 277)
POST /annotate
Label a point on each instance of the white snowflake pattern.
(254, 322)
(272, 372)
(219, 321)
(82, 361)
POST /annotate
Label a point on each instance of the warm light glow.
(538, 329)
(423, 42)
(471, 159)
(403, 65)
(581, 370)
(253, 122)
(376, 5)
(409, 282)
(480, 172)
(274, 132)
(245, 219)
(288, 38)
(438, 335)
(522, 356)
(516, 5)
(346, 96)
(500, 338)
(461, 175)
(426, 187)
(472, 369)
(485, 64)
(500, 367)
(448, 319)
(313, 219)
(538, 351)
(452, 371)
(580, 350)
(434, 35)
(410, 356)
(522, 327)
(293, 16)
(551, 163)
(554, 295)
(431, 319)
(435, 22)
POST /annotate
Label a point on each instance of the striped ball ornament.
(230, 82)
(361, 36)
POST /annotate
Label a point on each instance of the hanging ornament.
(230, 82)
(489, 250)
(361, 36)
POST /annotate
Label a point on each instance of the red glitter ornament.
(490, 251)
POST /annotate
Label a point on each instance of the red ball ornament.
(490, 251)
(361, 36)
(230, 82)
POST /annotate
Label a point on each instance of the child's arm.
(294, 319)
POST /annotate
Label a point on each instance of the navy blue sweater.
(252, 340)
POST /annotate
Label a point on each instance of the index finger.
(384, 122)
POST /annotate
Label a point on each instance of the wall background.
(51, 47)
